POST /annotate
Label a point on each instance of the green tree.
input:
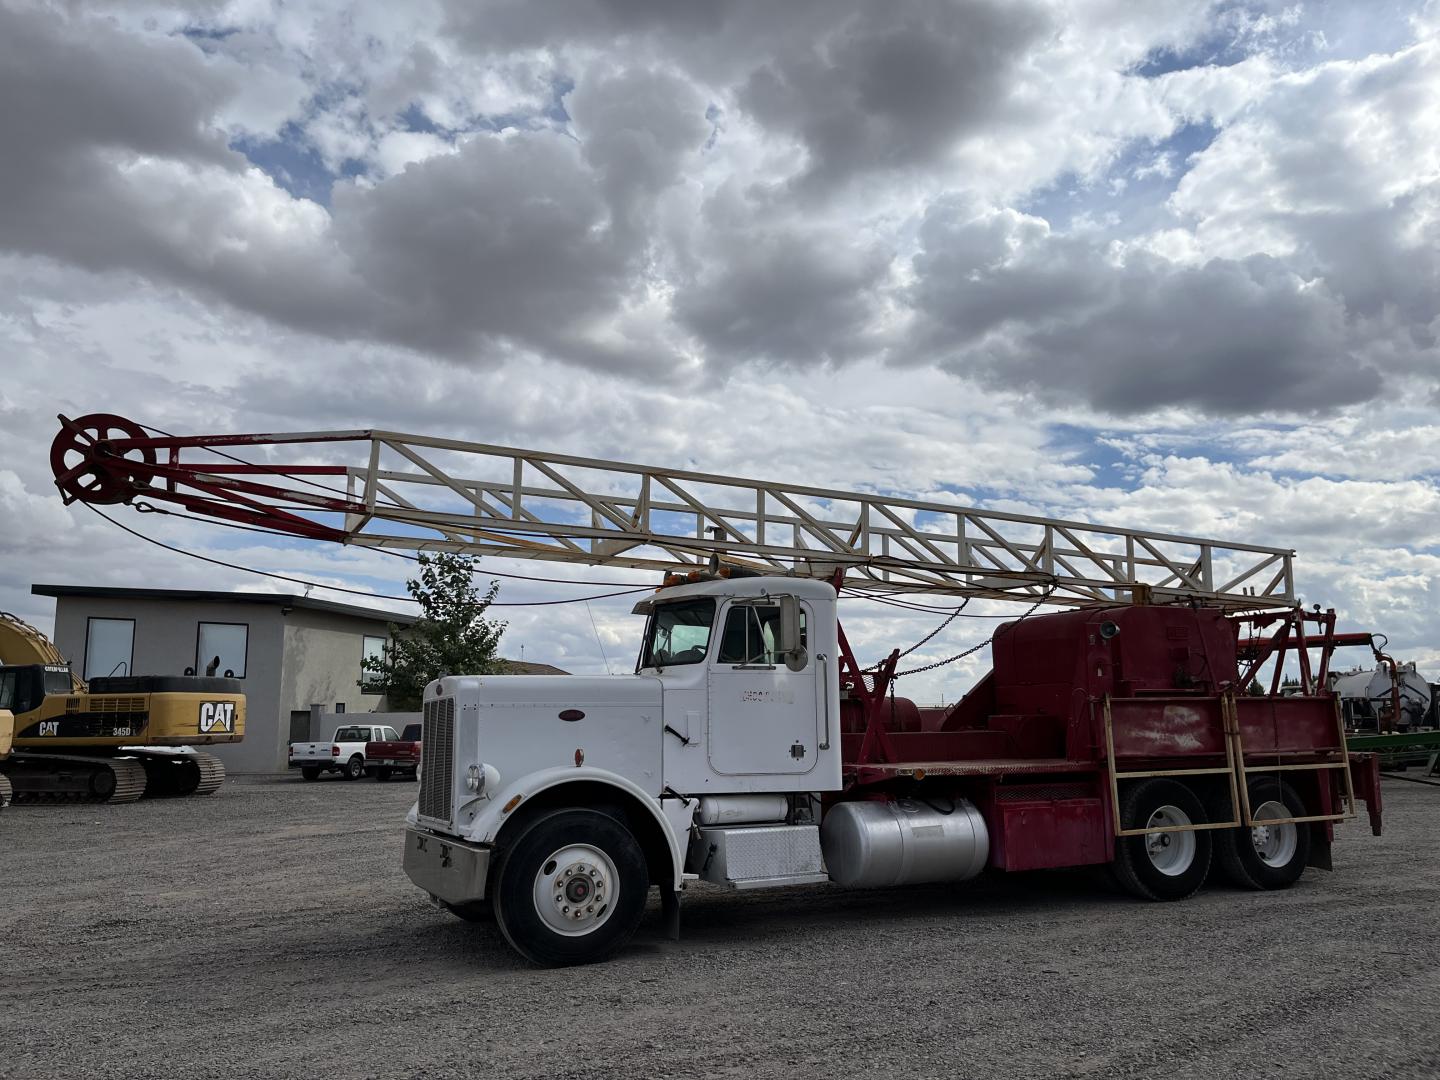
(451, 637)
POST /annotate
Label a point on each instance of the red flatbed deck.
(876, 771)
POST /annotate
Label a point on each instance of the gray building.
(296, 657)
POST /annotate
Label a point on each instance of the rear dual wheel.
(1169, 860)
(1265, 856)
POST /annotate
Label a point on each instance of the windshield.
(57, 679)
(679, 633)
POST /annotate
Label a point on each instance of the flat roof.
(101, 592)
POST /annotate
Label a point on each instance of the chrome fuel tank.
(903, 842)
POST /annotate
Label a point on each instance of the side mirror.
(790, 647)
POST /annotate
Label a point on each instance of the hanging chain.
(974, 648)
(948, 620)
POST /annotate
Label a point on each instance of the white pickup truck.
(344, 752)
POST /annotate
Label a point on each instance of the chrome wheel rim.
(1274, 845)
(576, 889)
(1171, 853)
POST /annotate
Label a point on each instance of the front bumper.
(448, 869)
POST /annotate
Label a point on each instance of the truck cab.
(730, 717)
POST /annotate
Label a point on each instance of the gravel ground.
(268, 931)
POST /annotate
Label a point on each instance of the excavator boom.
(385, 489)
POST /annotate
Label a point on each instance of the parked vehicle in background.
(395, 753)
(344, 752)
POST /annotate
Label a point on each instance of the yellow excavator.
(7, 731)
(113, 740)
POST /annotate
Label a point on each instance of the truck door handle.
(824, 701)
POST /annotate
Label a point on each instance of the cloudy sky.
(1168, 265)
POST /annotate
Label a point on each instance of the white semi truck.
(751, 748)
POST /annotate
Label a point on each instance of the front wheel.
(355, 768)
(1169, 861)
(571, 888)
(1267, 856)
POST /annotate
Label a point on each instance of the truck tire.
(571, 888)
(355, 768)
(1162, 865)
(310, 772)
(1266, 856)
(381, 773)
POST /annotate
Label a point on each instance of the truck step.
(759, 856)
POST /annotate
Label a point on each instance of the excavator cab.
(24, 687)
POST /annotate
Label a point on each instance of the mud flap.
(1365, 775)
(670, 912)
(1320, 847)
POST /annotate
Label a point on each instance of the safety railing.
(1235, 770)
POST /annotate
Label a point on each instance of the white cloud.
(967, 251)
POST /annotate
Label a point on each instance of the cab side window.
(752, 634)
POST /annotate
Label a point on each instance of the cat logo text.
(217, 717)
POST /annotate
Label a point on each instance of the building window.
(374, 649)
(221, 649)
(109, 647)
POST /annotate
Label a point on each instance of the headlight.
(482, 778)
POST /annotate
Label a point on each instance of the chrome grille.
(437, 781)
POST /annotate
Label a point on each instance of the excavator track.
(6, 792)
(175, 776)
(212, 774)
(49, 778)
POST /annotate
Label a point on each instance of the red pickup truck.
(395, 755)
